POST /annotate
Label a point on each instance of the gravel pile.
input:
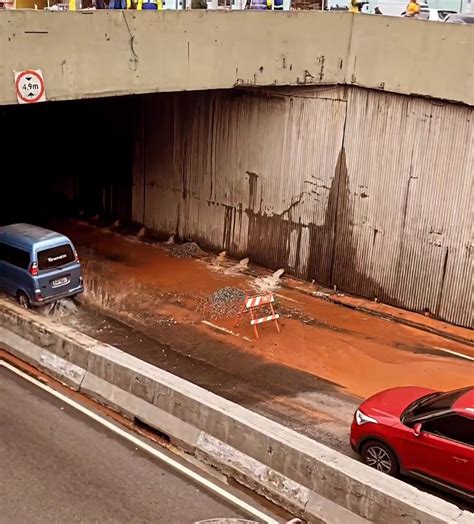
(186, 250)
(225, 302)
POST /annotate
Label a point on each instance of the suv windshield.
(432, 403)
(55, 257)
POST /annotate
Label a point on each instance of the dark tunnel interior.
(66, 159)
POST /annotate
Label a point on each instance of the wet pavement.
(299, 400)
(61, 466)
(310, 377)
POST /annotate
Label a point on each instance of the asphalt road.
(58, 465)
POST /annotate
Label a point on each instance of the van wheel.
(23, 300)
(380, 457)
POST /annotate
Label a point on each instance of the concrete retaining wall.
(294, 471)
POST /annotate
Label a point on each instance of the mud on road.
(292, 397)
(310, 377)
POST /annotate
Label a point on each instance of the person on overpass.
(355, 6)
(117, 4)
(149, 5)
(258, 5)
(413, 9)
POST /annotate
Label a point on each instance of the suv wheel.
(380, 457)
(23, 300)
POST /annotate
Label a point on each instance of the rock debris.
(187, 250)
(225, 302)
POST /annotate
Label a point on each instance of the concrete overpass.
(102, 53)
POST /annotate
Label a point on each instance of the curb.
(409, 323)
(332, 298)
(293, 471)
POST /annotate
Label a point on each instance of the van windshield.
(55, 257)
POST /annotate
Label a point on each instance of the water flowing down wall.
(368, 191)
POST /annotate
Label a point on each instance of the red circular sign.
(30, 90)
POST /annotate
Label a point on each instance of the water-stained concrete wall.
(105, 53)
(368, 191)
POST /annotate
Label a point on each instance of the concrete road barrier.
(300, 474)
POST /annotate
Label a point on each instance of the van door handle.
(460, 460)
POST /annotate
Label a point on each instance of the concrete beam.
(106, 53)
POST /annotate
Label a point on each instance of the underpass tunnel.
(281, 176)
(67, 158)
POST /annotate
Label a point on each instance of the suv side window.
(454, 427)
(13, 255)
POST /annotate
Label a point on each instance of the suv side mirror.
(417, 429)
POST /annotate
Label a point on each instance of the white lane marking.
(211, 486)
(461, 355)
(225, 330)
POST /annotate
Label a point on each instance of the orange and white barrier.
(264, 319)
(252, 306)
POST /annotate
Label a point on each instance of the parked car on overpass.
(420, 433)
(435, 15)
(460, 18)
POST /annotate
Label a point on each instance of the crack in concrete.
(133, 61)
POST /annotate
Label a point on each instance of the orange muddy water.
(360, 352)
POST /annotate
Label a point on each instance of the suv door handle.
(460, 460)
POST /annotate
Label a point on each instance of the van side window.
(13, 255)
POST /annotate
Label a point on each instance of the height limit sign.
(29, 86)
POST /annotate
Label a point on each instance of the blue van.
(38, 266)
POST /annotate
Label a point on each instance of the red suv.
(421, 433)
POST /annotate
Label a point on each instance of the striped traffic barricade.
(252, 306)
